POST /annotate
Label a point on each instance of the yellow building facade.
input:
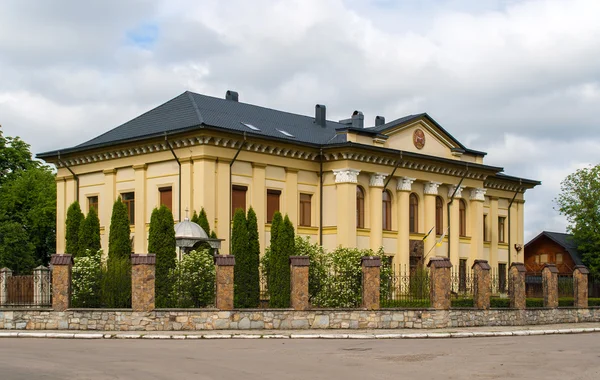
(406, 185)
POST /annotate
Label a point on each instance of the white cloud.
(517, 78)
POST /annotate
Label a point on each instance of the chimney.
(379, 120)
(231, 95)
(358, 119)
(320, 115)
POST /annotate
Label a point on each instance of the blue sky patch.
(144, 35)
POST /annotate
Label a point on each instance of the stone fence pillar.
(439, 286)
(516, 285)
(143, 277)
(41, 286)
(550, 285)
(224, 281)
(5, 274)
(62, 266)
(299, 282)
(371, 281)
(580, 286)
(481, 274)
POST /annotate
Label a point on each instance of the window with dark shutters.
(238, 198)
(166, 197)
(360, 207)
(272, 203)
(413, 219)
(387, 210)
(129, 200)
(439, 216)
(305, 209)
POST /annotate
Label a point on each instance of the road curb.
(295, 335)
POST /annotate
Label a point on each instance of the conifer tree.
(253, 260)
(89, 233)
(194, 218)
(119, 243)
(161, 241)
(281, 250)
(203, 221)
(74, 219)
(269, 267)
(239, 248)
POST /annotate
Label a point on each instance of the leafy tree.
(579, 201)
(161, 241)
(119, 242)
(16, 251)
(74, 219)
(28, 216)
(15, 157)
(89, 233)
(279, 273)
(239, 248)
(193, 280)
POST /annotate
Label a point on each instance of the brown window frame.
(413, 213)
(386, 210)
(92, 203)
(235, 189)
(501, 229)
(305, 209)
(462, 218)
(163, 190)
(439, 216)
(130, 203)
(485, 228)
(273, 203)
(360, 207)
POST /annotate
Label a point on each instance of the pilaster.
(140, 241)
(430, 191)
(61, 215)
(259, 200)
(204, 182)
(346, 181)
(291, 195)
(403, 187)
(376, 206)
(494, 232)
(454, 218)
(476, 218)
(223, 204)
(187, 199)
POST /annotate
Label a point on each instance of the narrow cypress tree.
(74, 219)
(89, 233)
(269, 254)
(280, 273)
(161, 241)
(119, 243)
(253, 260)
(239, 248)
(277, 220)
(203, 221)
(194, 218)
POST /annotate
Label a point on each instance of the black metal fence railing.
(565, 285)
(461, 283)
(98, 286)
(594, 286)
(498, 283)
(403, 287)
(534, 287)
(264, 290)
(26, 290)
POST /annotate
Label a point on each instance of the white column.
(430, 190)
(376, 205)
(403, 188)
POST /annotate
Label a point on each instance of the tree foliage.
(246, 250)
(579, 201)
(279, 262)
(119, 241)
(193, 280)
(73, 222)
(89, 233)
(161, 241)
(15, 157)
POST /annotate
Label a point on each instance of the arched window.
(439, 216)
(462, 218)
(414, 213)
(387, 210)
(360, 207)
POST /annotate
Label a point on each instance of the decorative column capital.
(405, 183)
(431, 188)
(377, 179)
(478, 194)
(346, 175)
(458, 192)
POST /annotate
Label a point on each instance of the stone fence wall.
(281, 319)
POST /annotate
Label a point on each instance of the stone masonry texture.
(550, 285)
(580, 286)
(481, 273)
(224, 279)
(299, 282)
(285, 319)
(439, 288)
(516, 285)
(61, 281)
(142, 282)
(371, 269)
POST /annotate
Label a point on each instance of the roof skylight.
(285, 133)
(251, 127)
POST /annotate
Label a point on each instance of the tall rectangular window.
(485, 234)
(305, 209)
(93, 202)
(272, 203)
(502, 278)
(166, 197)
(501, 221)
(129, 200)
(238, 198)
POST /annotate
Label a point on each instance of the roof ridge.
(195, 105)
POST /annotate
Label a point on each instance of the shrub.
(119, 242)
(193, 280)
(89, 233)
(317, 270)
(342, 284)
(161, 241)
(74, 219)
(462, 302)
(86, 280)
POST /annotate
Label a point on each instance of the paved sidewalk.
(462, 332)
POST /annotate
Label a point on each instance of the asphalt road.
(533, 357)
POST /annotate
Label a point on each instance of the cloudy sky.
(516, 78)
